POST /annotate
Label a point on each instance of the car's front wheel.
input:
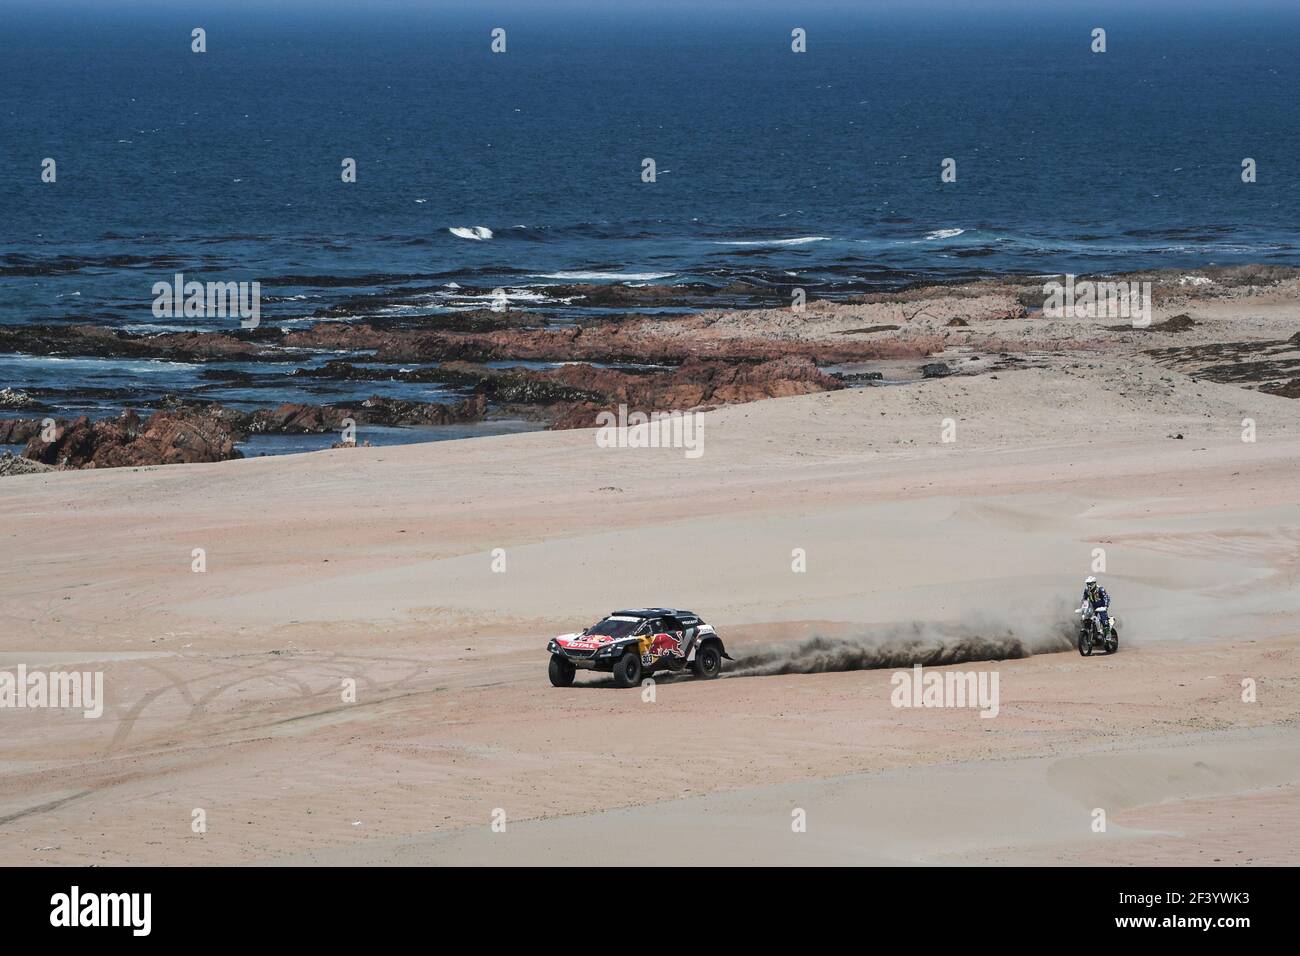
(561, 671)
(627, 670)
(708, 662)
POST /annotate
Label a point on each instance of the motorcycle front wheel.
(1085, 644)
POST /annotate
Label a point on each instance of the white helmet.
(1089, 581)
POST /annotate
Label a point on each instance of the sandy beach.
(226, 688)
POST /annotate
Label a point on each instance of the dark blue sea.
(819, 169)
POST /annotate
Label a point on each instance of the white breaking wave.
(944, 233)
(629, 276)
(471, 232)
(146, 366)
(511, 294)
(798, 241)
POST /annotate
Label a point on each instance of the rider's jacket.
(1102, 599)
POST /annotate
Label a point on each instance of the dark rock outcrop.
(1290, 390)
(105, 342)
(297, 419)
(1175, 323)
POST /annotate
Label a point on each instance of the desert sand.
(225, 689)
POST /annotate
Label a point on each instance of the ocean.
(479, 171)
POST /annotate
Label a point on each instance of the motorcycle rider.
(1094, 597)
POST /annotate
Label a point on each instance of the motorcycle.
(1091, 635)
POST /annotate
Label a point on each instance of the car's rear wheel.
(708, 662)
(561, 671)
(627, 670)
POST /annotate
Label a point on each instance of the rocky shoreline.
(194, 431)
(569, 372)
(606, 362)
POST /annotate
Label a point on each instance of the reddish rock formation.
(572, 394)
(18, 431)
(164, 438)
(192, 432)
(630, 340)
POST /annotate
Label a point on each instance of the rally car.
(632, 644)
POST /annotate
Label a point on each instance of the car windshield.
(615, 627)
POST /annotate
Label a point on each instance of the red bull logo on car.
(663, 645)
